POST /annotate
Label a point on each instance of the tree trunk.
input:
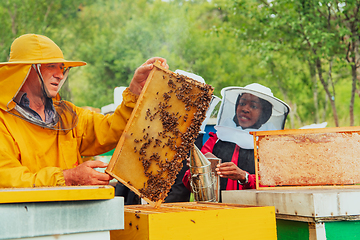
(354, 66)
(326, 88)
(352, 99)
(314, 90)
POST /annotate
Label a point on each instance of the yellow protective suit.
(35, 156)
(32, 156)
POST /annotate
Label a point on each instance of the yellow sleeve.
(14, 174)
(98, 133)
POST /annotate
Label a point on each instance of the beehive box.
(307, 157)
(159, 134)
(197, 221)
(56, 194)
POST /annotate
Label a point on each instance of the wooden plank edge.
(256, 157)
(55, 194)
(317, 219)
(295, 218)
(307, 131)
(309, 187)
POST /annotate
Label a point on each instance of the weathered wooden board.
(308, 157)
(159, 134)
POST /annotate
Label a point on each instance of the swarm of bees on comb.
(160, 133)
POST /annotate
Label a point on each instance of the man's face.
(248, 110)
(52, 74)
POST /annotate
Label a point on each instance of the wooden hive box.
(307, 158)
(56, 194)
(197, 221)
(159, 134)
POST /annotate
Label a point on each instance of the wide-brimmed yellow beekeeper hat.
(26, 50)
(33, 48)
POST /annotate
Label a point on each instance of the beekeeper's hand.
(142, 72)
(230, 170)
(85, 174)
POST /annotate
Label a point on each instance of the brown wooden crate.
(307, 157)
(159, 134)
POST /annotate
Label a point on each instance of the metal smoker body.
(203, 180)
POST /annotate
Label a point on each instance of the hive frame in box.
(259, 135)
(160, 132)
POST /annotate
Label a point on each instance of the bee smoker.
(202, 179)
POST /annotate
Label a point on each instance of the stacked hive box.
(197, 221)
(309, 157)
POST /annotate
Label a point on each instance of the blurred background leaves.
(307, 52)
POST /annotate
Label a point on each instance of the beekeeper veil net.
(272, 117)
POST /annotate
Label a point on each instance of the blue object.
(208, 128)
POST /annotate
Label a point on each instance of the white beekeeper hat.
(226, 127)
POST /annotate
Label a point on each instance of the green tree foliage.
(180, 31)
(46, 17)
(318, 36)
(305, 51)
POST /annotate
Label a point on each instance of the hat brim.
(53, 60)
(279, 106)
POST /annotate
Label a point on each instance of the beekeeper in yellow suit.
(43, 138)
